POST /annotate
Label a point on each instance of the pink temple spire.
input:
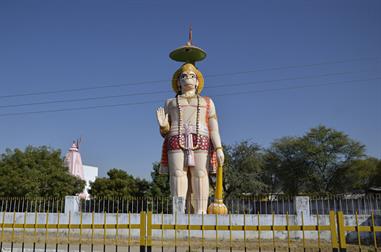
(73, 160)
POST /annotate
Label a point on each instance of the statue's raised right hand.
(162, 117)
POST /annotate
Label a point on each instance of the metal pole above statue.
(192, 146)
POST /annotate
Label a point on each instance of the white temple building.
(88, 173)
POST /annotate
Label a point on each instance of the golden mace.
(218, 206)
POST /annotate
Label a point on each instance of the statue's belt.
(202, 131)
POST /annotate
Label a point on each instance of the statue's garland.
(181, 136)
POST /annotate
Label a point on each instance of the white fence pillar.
(71, 204)
(178, 205)
(302, 207)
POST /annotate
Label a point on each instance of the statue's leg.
(200, 182)
(177, 174)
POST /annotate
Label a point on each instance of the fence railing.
(348, 204)
(165, 205)
(265, 204)
(40, 204)
(87, 231)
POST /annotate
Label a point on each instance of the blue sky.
(56, 45)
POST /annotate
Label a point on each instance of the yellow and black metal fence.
(147, 231)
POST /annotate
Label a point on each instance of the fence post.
(143, 216)
(71, 204)
(341, 231)
(149, 231)
(332, 224)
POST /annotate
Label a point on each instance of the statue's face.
(188, 80)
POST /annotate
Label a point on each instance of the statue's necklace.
(181, 136)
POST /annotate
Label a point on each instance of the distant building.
(73, 161)
(90, 173)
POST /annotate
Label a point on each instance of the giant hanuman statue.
(192, 145)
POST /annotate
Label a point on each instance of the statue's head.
(186, 78)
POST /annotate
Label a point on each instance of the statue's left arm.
(214, 132)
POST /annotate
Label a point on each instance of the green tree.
(359, 176)
(285, 162)
(119, 184)
(160, 187)
(375, 181)
(36, 172)
(328, 151)
(314, 162)
(244, 172)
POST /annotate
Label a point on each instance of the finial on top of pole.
(189, 43)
